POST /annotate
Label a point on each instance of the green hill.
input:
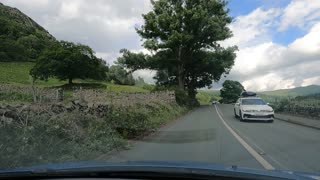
(21, 38)
(298, 91)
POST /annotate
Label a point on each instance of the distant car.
(253, 108)
(215, 102)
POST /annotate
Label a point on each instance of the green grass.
(17, 73)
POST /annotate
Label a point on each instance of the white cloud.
(69, 10)
(267, 82)
(300, 13)
(28, 3)
(310, 81)
(310, 43)
(269, 66)
(252, 28)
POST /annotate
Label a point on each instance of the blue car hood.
(154, 165)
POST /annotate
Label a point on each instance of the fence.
(88, 95)
(123, 98)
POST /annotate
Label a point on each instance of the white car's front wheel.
(235, 114)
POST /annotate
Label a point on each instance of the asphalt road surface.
(212, 134)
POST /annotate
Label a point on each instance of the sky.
(278, 40)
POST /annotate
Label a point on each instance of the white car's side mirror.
(237, 104)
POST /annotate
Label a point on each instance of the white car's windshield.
(253, 102)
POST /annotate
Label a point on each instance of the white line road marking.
(255, 145)
(256, 155)
(259, 148)
(220, 111)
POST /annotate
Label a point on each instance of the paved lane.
(284, 145)
(199, 136)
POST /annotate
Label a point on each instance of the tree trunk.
(70, 81)
(181, 78)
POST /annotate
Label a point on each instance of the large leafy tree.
(183, 37)
(231, 91)
(67, 61)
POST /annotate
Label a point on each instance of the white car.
(253, 108)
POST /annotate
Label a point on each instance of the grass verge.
(77, 136)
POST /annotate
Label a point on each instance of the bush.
(45, 139)
(15, 96)
(131, 122)
(77, 136)
(183, 99)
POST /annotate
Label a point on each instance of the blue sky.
(244, 7)
(278, 40)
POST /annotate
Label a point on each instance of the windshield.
(253, 102)
(101, 81)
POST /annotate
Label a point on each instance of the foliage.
(143, 118)
(77, 136)
(21, 39)
(15, 97)
(120, 76)
(184, 37)
(231, 91)
(45, 139)
(67, 61)
(183, 99)
(206, 97)
(307, 106)
(139, 82)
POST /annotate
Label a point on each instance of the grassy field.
(17, 73)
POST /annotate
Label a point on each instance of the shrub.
(183, 99)
(131, 122)
(45, 139)
(76, 136)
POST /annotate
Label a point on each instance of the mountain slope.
(298, 91)
(21, 38)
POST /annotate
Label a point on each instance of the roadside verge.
(311, 123)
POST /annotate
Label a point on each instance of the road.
(212, 134)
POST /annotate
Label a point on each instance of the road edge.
(297, 123)
(265, 164)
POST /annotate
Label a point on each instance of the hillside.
(298, 91)
(21, 38)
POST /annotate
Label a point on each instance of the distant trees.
(120, 76)
(67, 61)
(231, 91)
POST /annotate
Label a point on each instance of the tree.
(119, 75)
(231, 91)
(183, 37)
(67, 61)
